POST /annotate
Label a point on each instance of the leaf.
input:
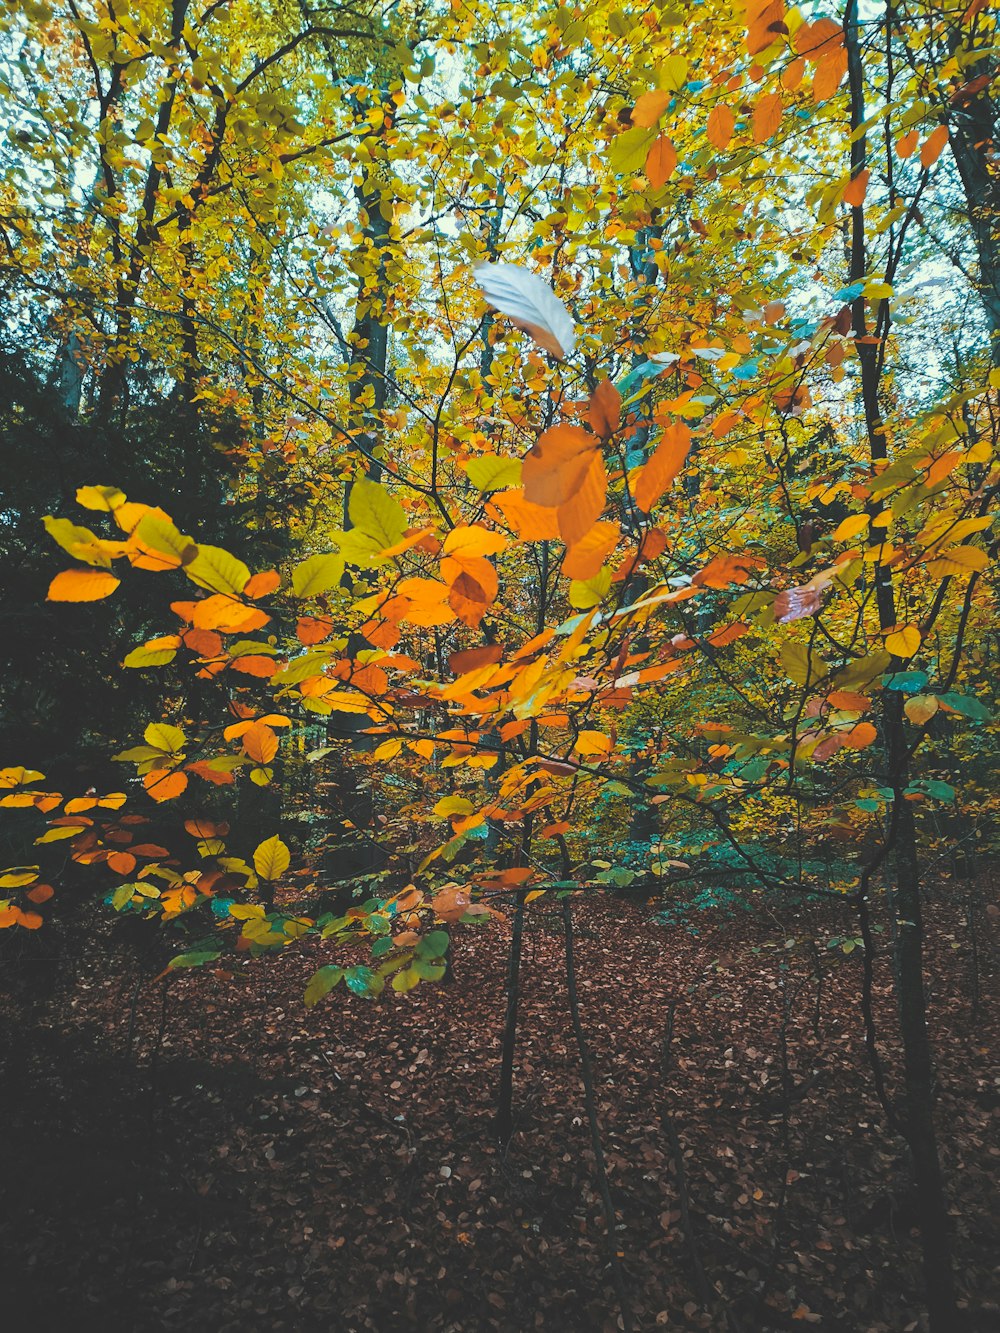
(531, 305)
(372, 509)
(920, 708)
(104, 498)
(468, 541)
(851, 527)
(903, 642)
(967, 705)
(583, 560)
(321, 983)
(662, 467)
(165, 738)
(260, 743)
(661, 162)
(217, 570)
(592, 743)
(605, 409)
(491, 472)
(80, 543)
(651, 106)
(933, 146)
(720, 126)
(582, 510)
(81, 585)
(855, 190)
(160, 545)
(860, 736)
(795, 603)
(800, 665)
(165, 784)
(555, 467)
(958, 560)
(271, 859)
(157, 652)
(767, 116)
(317, 574)
(585, 593)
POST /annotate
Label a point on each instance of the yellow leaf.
(376, 513)
(80, 543)
(272, 858)
(471, 540)
(850, 527)
(592, 743)
(162, 736)
(585, 593)
(81, 585)
(105, 498)
(217, 570)
(903, 642)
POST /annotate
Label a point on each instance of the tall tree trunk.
(905, 897)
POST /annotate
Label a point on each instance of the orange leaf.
(82, 585)
(854, 194)
(29, 920)
(474, 658)
(165, 784)
(933, 146)
(816, 40)
(41, 893)
(767, 116)
(650, 107)
(584, 559)
(662, 467)
(216, 776)
(556, 466)
(260, 743)
(765, 22)
(829, 72)
(254, 665)
(661, 162)
(259, 585)
(720, 126)
(205, 642)
(907, 145)
(531, 522)
(605, 409)
(222, 613)
(311, 629)
(860, 736)
(579, 514)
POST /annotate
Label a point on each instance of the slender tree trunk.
(918, 1123)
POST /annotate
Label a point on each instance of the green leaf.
(149, 657)
(491, 472)
(968, 706)
(322, 983)
(375, 512)
(433, 945)
(166, 739)
(363, 981)
(159, 534)
(196, 958)
(272, 858)
(628, 151)
(218, 571)
(800, 665)
(317, 574)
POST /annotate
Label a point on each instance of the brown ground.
(255, 1165)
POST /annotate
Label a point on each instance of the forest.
(498, 659)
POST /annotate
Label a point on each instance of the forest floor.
(250, 1164)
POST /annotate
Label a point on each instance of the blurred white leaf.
(531, 304)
